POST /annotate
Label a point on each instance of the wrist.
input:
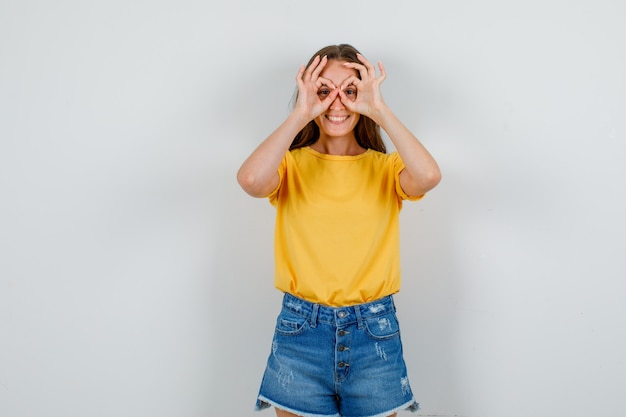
(299, 117)
(380, 114)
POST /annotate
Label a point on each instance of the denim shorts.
(336, 361)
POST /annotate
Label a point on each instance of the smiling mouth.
(337, 119)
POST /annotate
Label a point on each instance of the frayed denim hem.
(262, 403)
(414, 407)
(411, 406)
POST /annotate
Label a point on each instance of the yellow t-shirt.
(337, 239)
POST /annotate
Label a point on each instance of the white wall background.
(136, 277)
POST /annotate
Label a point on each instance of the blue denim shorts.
(344, 361)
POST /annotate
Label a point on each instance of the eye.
(323, 92)
(351, 91)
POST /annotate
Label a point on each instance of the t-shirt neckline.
(337, 157)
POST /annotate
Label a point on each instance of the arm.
(421, 173)
(258, 175)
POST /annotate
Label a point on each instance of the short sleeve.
(398, 167)
(282, 168)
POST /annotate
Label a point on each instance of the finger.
(355, 65)
(359, 67)
(370, 68)
(300, 73)
(329, 100)
(383, 73)
(352, 80)
(320, 66)
(324, 81)
(332, 96)
(346, 101)
(309, 70)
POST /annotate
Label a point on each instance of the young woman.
(336, 349)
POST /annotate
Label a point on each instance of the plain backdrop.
(136, 276)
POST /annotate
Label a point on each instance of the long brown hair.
(366, 131)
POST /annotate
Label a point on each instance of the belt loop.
(359, 319)
(314, 311)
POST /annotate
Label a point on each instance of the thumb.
(348, 104)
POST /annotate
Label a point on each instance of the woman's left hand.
(369, 99)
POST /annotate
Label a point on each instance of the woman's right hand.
(258, 175)
(315, 93)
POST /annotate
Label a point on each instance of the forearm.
(422, 171)
(258, 175)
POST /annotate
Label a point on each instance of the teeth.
(337, 119)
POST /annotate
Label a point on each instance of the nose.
(337, 104)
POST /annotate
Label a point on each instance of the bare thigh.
(282, 413)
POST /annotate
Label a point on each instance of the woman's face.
(337, 120)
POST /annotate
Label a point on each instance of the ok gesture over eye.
(367, 99)
(315, 93)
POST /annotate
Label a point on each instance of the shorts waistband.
(340, 316)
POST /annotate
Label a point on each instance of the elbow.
(246, 181)
(429, 181)
(250, 184)
(434, 178)
(419, 186)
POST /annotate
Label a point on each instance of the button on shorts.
(336, 361)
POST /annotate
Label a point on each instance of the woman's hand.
(315, 93)
(369, 100)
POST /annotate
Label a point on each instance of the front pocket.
(383, 327)
(291, 324)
